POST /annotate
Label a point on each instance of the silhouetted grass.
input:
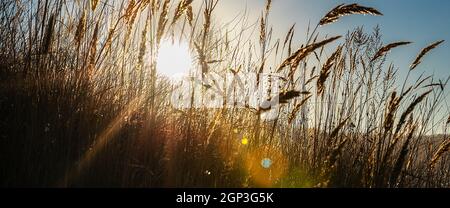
(82, 104)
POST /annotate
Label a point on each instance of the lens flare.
(266, 166)
(244, 140)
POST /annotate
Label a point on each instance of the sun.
(174, 59)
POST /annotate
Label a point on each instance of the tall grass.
(82, 103)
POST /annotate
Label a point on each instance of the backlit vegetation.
(83, 104)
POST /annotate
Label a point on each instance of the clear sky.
(418, 21)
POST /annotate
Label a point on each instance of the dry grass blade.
(129, 9)
(268, 5)
(156, 4)
(336, 152)
(300, 54)
(111, 33)
(182, 7)
(326, 69)
(305, 93)
(263, 26)
(262, 33)
(405, 93)
(401, 159)
(94, 4)
(393, 104)
(391, 109)
(288, 95)
(335, 132)
(443, 148)
(162, 21)
(410, 109)
(81, 28)
(297, 108)
(419, 83)
(214, 61)
(424, 52)
(93, 48)
(46, 44)
(435, 85)
(190, 15)
(387, 48)
(202, 58)
(343, 10)
(143, 46)
(290, 32)
(311, 79)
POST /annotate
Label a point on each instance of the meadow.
(84, 102)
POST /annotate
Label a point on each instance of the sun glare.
(174, 59)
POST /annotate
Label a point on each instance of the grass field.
(86, 100)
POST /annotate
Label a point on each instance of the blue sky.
(418, 21)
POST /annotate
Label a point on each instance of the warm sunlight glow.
(174, 59)
(244, 140)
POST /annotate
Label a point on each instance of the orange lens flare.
(266, 166)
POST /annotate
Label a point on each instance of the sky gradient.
(419, 21)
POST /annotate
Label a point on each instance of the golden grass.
(83, 104)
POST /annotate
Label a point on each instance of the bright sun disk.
(174, 59)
